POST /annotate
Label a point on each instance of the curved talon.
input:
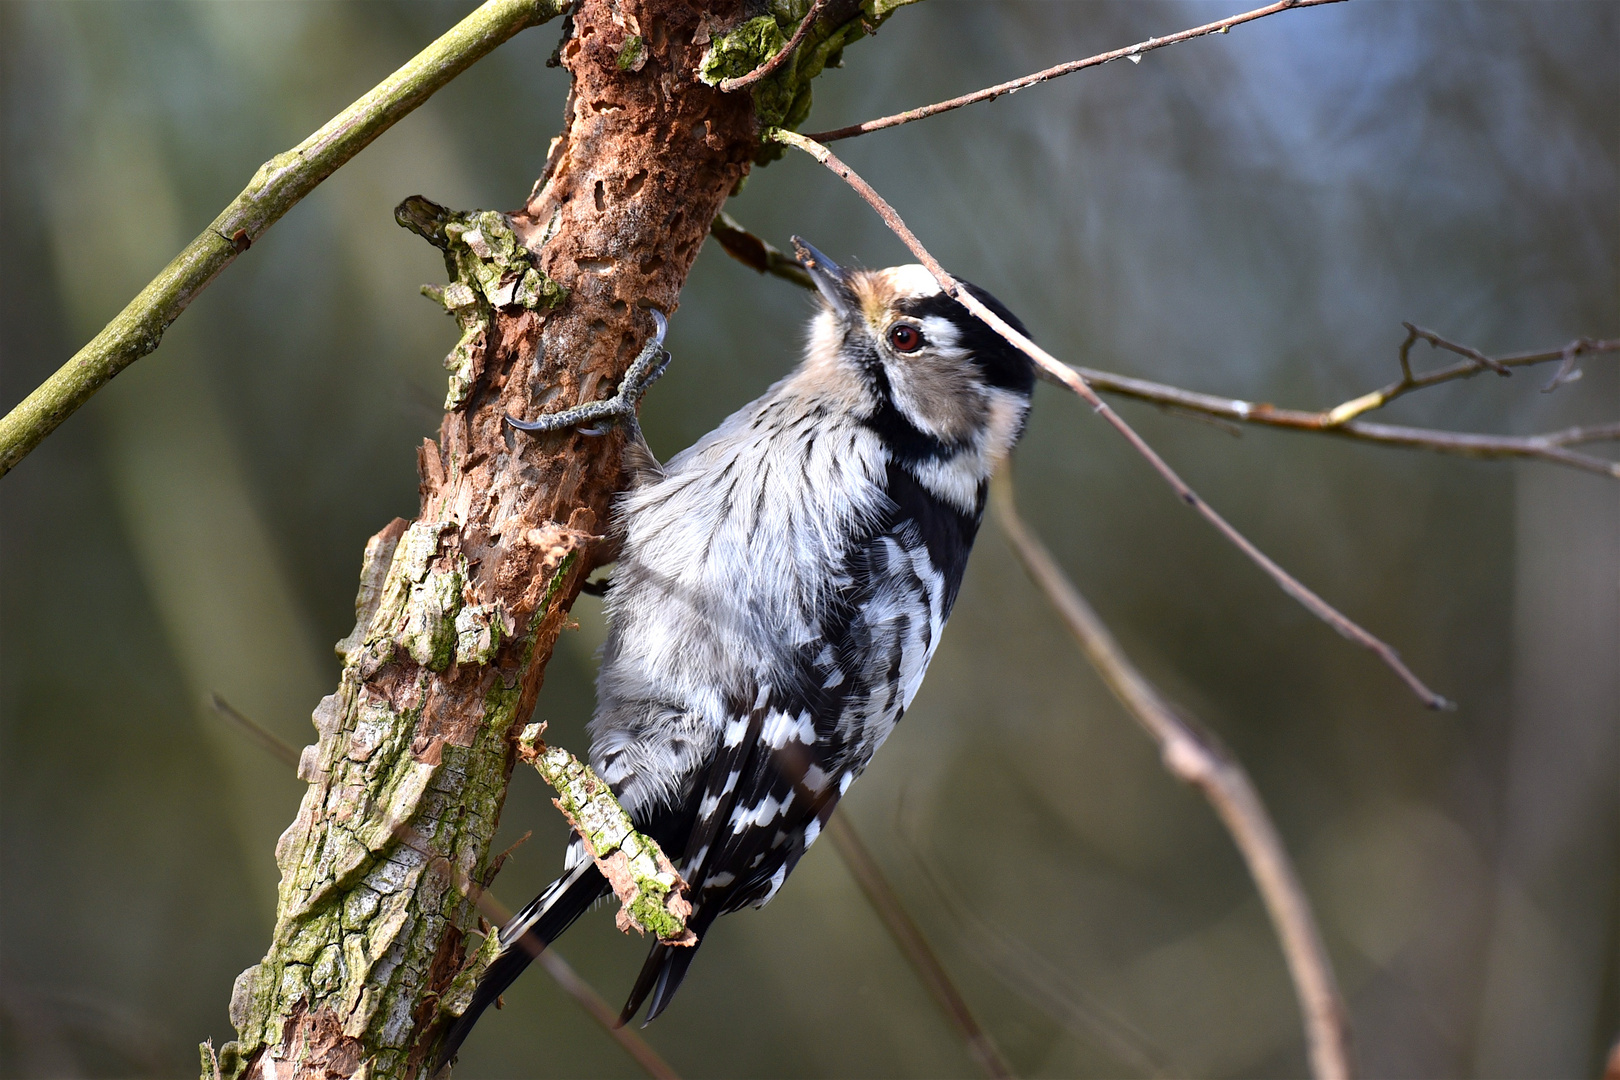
(621, 406)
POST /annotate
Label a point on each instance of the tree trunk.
(458, 612)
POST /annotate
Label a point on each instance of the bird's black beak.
(832, 280)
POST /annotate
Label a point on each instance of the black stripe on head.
(903, 439)
(1004, 365)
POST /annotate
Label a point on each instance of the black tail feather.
(644, 982)
(663, 972)
(670, 977)
(523, 938)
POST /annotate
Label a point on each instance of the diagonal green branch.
(278, 185)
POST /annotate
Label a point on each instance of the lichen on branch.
(489, 268)
(652, 894)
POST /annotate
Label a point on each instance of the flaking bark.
(652, 894)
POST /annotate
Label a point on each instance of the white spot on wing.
(779, 728)
(776, 883)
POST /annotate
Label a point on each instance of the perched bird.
(780, 589)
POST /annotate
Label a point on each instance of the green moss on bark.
(653, 894)
(783, 99)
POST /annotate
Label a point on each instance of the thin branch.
(750, 250)
(492, 909)
(1037, 979)
(1477, 362)
(1548, 447)
(278, 185)
(1131, 52)
(1197, 757)
(1067, 376)
(906, 934)
(267, 740)
(651, 892)
(768, 68)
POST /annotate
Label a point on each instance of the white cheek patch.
(943, 336)
(1007, 411)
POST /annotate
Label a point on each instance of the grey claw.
(529, 425)
(645, 369)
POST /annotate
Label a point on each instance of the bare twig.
(886, 902)
(492, 909)
(1477, 362)
(768, 68)
(1067, 376)
(752, 251)
(1197, 757)
(278, 185)
(1548, 447)
(1131, 52)
(1567, 372)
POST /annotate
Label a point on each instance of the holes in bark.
(601, 200)
(605, 105)
(595, 266)
(652, 264)
(633, 185)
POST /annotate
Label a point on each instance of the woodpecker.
(781, 587)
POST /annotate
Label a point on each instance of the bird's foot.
(603, 415)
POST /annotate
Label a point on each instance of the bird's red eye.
(905, 337)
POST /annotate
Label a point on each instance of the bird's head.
(894, 338)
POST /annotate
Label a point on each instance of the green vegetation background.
(1249, 215)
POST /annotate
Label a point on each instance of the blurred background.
(1250, 215)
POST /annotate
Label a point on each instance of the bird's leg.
(602, 415)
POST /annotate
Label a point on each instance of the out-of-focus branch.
(906, 934)
(1476, 362)
(1036, 979)
(494, 912)
(278, 185)
(1132, 53)
(751, 251)
(1197, 757)
(1054, 369)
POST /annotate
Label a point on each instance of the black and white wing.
(785, 760)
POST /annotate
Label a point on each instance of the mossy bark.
(458, 612)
